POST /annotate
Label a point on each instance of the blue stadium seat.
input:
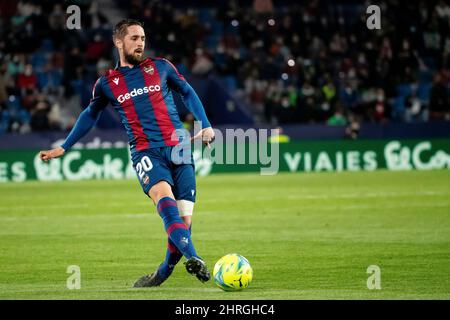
(24, 116)
(211, 42)
(47, 45)
(14, 106)
(43, 79)
(57, 77)
(404, 90)
(4, 121)
(217, 28)
(204, 15)
(423, 91)
(429, 62)
(425, 76)
(398, 108)
(230, 83)
(38, 61)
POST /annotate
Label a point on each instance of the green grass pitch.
(307, 236)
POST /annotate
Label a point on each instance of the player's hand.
(47, 155)
(207, 135)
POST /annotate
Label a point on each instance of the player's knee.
(160, 190)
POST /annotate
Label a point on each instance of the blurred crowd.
(312, 62)
(316, 61)
(43, 64)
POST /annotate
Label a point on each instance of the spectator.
(439, 100)
(202, 64)
(352, 130)
(337, 119)
(349, 97)
(96, 49)
(3, 92)
(290, 63)
(415, 110)
(40, 114)
(279, 136)
(27, 79)
(380, 109)
(188, 122)
(329, 90)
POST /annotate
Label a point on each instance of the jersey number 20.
(143, 166)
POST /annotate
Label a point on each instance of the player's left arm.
(85, 122)
(177, 82)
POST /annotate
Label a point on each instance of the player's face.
(133, 45)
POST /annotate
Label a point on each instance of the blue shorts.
(155, 165)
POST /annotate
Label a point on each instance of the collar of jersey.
(118, 67)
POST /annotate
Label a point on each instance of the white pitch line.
(44, 207)
(83, 217)
(59, 206)
(331, 197)
(371, 195)
(151, 214)
(257, 198)
(152, 290)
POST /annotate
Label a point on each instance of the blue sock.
(176, 229)
(173, 256)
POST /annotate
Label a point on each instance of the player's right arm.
(85, 122)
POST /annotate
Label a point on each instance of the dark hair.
(120, 29)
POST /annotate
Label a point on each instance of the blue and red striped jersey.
(142, 95)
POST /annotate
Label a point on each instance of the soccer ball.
(232, 272)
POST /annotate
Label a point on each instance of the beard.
(133, 57)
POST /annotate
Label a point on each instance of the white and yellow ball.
(232, 272)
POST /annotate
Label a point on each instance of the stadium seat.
(423, 91)
(398, 108)
(47, 45)
(4, 121)
(404, 89)
(24, 116)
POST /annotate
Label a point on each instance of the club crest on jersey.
(116, 81)
(149, 70)
(146, 180)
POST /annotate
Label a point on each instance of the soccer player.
(139, 89)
